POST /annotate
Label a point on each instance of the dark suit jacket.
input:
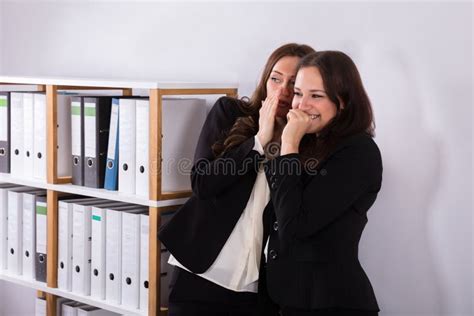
(313, 250)
(221, 189)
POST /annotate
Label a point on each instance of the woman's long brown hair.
(343, 86)
(247, 126)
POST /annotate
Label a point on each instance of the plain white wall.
(416, 62)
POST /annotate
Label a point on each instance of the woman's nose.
(303, 104)
(285, 90)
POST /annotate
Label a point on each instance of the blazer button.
(275, 226)
(273, 254)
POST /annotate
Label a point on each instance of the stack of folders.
(23, 133)
(66, 307)
(103, 250)
(23, 232)
(90, 122)
(127, 163)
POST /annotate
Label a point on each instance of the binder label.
(90, 130)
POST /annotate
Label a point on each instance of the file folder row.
(23, 133)
(23, 231)
(103, 251)
(66, 307)
(127, 154)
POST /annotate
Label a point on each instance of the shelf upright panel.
(51, 303)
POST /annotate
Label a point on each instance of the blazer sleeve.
(304, 209)
(211, 176)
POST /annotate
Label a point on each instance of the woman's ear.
(341, 104)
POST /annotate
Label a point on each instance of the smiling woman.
(216, 238)
(312, 264)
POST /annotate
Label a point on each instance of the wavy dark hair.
(246, 126)
(343, 86)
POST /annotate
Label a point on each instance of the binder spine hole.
(61, 265)
(39, 155)
(142, 169)
(78, 269)
(111, 276)
(96, 272)
(27, 253)
(145, 284)
(76, 161)
(28, 154)
(12, 251)
(128, 280)
(41, 258)
(2, 151)
(125, 167)
(110, 164)
(90, 162)
(17, 152)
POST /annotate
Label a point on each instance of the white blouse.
(237, 265)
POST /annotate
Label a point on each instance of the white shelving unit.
(157, 202)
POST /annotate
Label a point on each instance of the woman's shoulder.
(227, 107)
(361, 142)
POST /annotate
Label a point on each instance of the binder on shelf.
(4, 132)
(28, 135)
(182, 121)
(41, 238)
(65, 210)
(127, 157)
(40, 307)
(77, 140)
(16, 134)
(131, 260)
(40, 130)
(71, 308)
(4, 187)
(64, 163)
(113, 252)
(111, 171)
(98, 243)
(14, 234)
(29, 233)
(81, 246)
(142, 144)
(144, 260)
(96, 136)
(59, 304)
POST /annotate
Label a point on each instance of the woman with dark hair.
(216, 238)
(323, 183)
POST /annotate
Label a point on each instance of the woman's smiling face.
(310, 97)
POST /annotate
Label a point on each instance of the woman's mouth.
(283, 104)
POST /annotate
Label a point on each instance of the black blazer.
(221, 189)
(318, 221)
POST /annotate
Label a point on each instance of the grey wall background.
(416, 62)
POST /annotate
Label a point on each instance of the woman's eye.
(276, 80)
(316, 96)
(297, 93)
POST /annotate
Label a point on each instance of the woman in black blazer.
(322, 185)
(207, 237)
